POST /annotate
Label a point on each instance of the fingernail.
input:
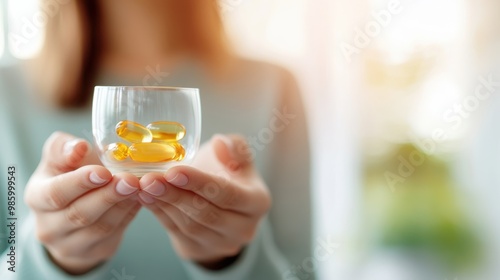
(233, 165)
(95, 179)
(146, 198)
(227, 141)
(177, 179)
(70, 146)
(124, 188)
(156, 188)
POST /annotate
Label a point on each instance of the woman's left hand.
(212, 208)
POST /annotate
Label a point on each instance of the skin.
(128, 46)
(210, 209)
(81, 222)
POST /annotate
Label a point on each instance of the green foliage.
(422, 215)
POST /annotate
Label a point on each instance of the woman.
(85, 223)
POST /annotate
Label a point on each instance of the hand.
(211, 209)
(81, 211)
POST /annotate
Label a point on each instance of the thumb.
(62, 153)
(232, 151)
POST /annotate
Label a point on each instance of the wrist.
(71, 266)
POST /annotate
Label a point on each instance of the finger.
(110, 224)
(223, 193)
(192, 240)
(89, 208)
(210, 241)
(164, 219)
(186, 247)
(232, 151)
(56, 193)
(62, 153)
(227, 223)
(186, 225)
(114, 239)
(152, 185)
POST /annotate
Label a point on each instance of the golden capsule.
(118, 151)
(152, 152)
(167, 131)
(133, 132)
(179, 150)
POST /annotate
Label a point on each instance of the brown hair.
(65, 68)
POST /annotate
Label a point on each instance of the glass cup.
(140, 129)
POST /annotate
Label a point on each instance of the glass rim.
(148, 88)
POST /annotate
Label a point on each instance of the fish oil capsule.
(118, 151)
(167, 131)
(179, 150)
(133, 132)
(152, 152)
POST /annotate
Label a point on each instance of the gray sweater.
(263, 104)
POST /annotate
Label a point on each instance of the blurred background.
(402, 98)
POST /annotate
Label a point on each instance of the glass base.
(140, 171)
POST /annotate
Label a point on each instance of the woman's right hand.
(81, 210)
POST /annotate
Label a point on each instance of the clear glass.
(143, 105)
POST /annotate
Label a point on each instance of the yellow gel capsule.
(133, 132)
(152, 152)
(167, 131)
(179, 150)
(118, 151)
